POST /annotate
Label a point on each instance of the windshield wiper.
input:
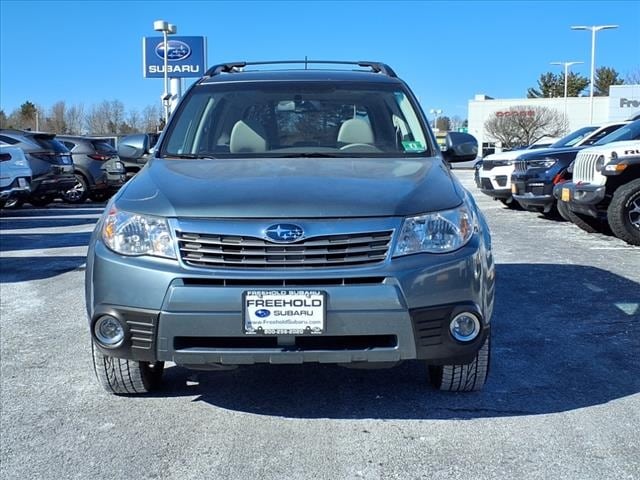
(189, 156)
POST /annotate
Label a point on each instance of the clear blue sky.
(86, 52)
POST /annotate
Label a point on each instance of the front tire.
(463, 378)
(126, 377)
(585, 222)
(624, 212)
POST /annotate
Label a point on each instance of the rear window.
(49, 143)
(103, 147)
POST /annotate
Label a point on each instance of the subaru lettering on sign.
(185, 57)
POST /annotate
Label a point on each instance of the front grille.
(222, 251)
(584, 168)
(301, 343)
(501, 180)
(521, 166)
(486, 184)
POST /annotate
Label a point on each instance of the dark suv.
(292, 216)
(98, 170)
(50, 162)
(537, 172)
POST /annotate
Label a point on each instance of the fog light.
(465, 327)
(109, 332)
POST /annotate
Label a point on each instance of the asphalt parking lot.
(562, 399)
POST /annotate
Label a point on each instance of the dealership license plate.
(22, 182)
(284, 312)
(566, 195)
(514, 188)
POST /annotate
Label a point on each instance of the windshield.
(631, 131)
(573, 138)
(296, 119)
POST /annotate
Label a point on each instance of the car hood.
(291, 188)
(549, 152)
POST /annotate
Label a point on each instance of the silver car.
(15, 175)
(292, 216)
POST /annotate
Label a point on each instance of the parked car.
(606, 189)
(50, 162)
(15, 175)
(135, 150)
(98, 170)
(537, 173)
(308, 217)
(495, 175)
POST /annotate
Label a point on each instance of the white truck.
(606, 188)
(495, 174)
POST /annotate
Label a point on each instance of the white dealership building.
(622, 103)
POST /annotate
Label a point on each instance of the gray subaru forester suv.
(291, 216)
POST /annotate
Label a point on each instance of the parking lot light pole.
(166, 29)
(566, 75)
(436, 113)
(594, 29)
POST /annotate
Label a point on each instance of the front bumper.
(396, 311)
(583, 198)
(536, 195)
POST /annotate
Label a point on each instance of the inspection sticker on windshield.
(413, 146)
(284, 312)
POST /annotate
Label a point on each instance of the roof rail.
(377, 67)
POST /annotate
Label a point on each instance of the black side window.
(8, 140)
(69, 145)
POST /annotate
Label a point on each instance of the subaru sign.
(185, 57)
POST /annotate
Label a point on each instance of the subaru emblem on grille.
(284, 233)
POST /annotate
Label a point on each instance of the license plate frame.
(284, 312)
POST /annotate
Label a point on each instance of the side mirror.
(460, 147)
(133, 146)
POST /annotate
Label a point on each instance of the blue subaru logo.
(262, 313)
(176, 50)
(284, 233)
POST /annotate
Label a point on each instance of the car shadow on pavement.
(24, 269)
(564, 337)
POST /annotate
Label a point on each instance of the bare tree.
(56, 122)
(633, 77)
(74, 119)
(150, 118)
(523, 125)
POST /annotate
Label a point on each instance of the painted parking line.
(78, 251)
(87, 228)
(49, 217)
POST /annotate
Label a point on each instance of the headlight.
(600, 163)
(543, 163)
(134, 234)
(503, 163)
(437, 232)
